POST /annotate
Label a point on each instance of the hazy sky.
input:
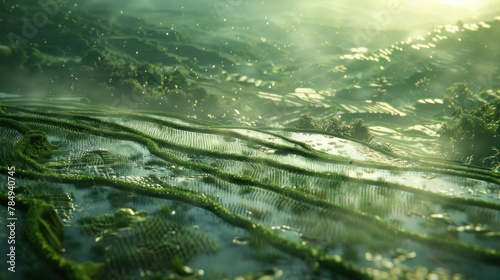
(383, 14)
(403, 13)
(301, 20)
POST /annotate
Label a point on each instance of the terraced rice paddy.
(145, 194)
(216, 139)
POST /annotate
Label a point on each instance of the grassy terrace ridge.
(426, 166)
(332, 263)
(43, 230)
(134, 135)
(372, 220)
(44, 235)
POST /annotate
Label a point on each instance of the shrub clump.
(460, 96)
(307, 121)
(356, 129)
(473, 136)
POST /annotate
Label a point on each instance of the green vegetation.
(36, 147)
(459, 96)
(43, 230)
(65, 53)
(136, 240)
(287, 199)
(161, 166)
(356, 129)
(473, 136)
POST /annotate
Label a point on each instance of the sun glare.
(460, 3)
(455, 3)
